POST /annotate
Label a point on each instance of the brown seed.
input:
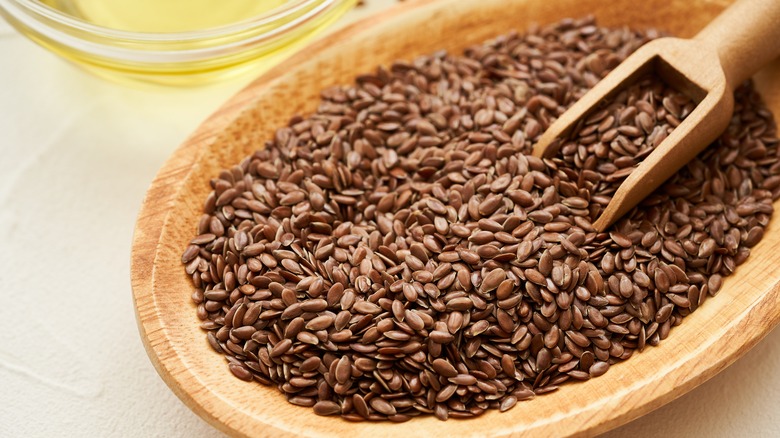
(478, 328)
(316, 305)
(535, 276)
(308, 338)
(463, 379)
(343, 369)
(508, 365)
(490, 204)
(707, 248)
(301, 382)
(441, 337)
(281, 347)
(444, 368)
(492, 280)
(662, 281)
(341, 336)
(190, 253)
(459, 304)
(664, 313)
(505, 289)
(714, 284)
(240, 371)
(244, 333)
(366, 307)
(620, 239)
(360, 405)
(507, 403)
(598, 369)
(321, 322)
(445, 393)
(326, 407)
(382, 406)
(454, 322)
(414, 321)
(754, 235)
(545, 265)
(543, 359)
(310, 364)
(626, 287)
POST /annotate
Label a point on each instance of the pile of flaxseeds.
(399, 252)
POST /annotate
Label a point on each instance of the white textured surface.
(76, 156)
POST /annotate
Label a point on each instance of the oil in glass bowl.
(163, 16)
(173, 42)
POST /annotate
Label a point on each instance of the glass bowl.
(175, 58)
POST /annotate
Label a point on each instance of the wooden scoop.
(707, 68)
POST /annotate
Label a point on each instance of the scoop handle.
(746, 36)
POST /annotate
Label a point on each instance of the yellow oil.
(177, 16)
(163, 16)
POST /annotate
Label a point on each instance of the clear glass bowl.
(180, 58)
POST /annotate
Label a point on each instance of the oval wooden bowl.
(746, 309)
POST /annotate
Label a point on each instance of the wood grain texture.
(714, 336)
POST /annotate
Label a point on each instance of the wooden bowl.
(746, 309)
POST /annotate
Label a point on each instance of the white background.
(76, 156)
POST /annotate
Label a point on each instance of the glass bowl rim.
(75, 25)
